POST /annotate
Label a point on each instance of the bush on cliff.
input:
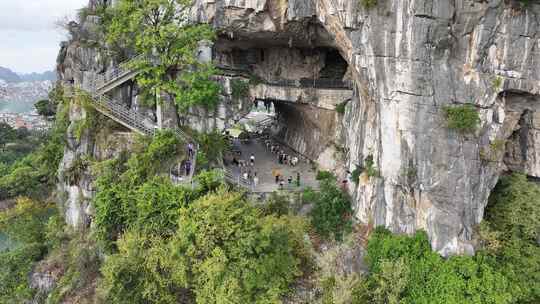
(425, 277)
(510, 233)
(462, 118)
(223, 251)
(331, 213)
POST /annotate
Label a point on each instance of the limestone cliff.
(407, 60)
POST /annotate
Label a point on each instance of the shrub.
(45, 108)
(80, 261)
(405, 270)
(340, 107)
(277, 204)
(223, 251)
(497, 82)
(369, 167)
(213, 145)
(25, 225)
(15, 267)
(331, 211)
(462, 118)
(368, 3)
(514, 208)
(324, 175)
(510, 234)
(158, 204)
(208, 181)
(355, 175)
(239, 88)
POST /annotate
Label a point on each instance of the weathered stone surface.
(408, 60)
(318, 97)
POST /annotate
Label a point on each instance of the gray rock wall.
(409, 59)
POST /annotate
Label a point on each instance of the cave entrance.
(296, 72)
(260, 158)
(519, 141)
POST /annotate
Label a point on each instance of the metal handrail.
(117, 72)
(126, 116)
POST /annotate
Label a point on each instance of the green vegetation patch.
(340, 107)
(222, 251)
(32, 171)
(158, 30)
(26, 226)
(368, 3)
(505, 269)
(239, 88)
(331, 213)
(462, 118)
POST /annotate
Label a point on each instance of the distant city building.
(30, 121)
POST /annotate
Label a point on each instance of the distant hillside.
(11, 77)
(48, 75)
(8, 75)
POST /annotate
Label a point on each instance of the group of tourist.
(247, 171)
(282, 157)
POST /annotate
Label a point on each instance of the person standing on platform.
(255, 179)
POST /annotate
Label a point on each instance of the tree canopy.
(160, 29)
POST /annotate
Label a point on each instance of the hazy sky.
(29, 40)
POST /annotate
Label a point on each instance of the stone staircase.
(115, 110)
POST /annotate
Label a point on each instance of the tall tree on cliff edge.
(160, 29)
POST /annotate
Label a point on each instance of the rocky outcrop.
(409, 59)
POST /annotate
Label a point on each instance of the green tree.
(405, 268)
(7, 134)
(223, 251)
(45, 108)
(390, 282)
(25, 225)
(510, 234)
(158, 204)
(139, 273)
(228, 253)
(514, 208)
(159, 28)
(331, 211)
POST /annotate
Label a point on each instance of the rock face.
(409, 59)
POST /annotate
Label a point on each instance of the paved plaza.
(266, 163)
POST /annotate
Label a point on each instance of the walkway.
(266, 162)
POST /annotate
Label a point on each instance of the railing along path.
(135, 121)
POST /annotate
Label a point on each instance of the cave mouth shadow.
(521, 128)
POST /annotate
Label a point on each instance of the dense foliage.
(404, 269)
(239, 88)
(222, 252)
(510, 234)
(462, 118)
(331, 213)
(26, 227)
(125, 186)
(35, 173)
(159, 29)
(18, 143)
(45, 108)
(368, 3)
